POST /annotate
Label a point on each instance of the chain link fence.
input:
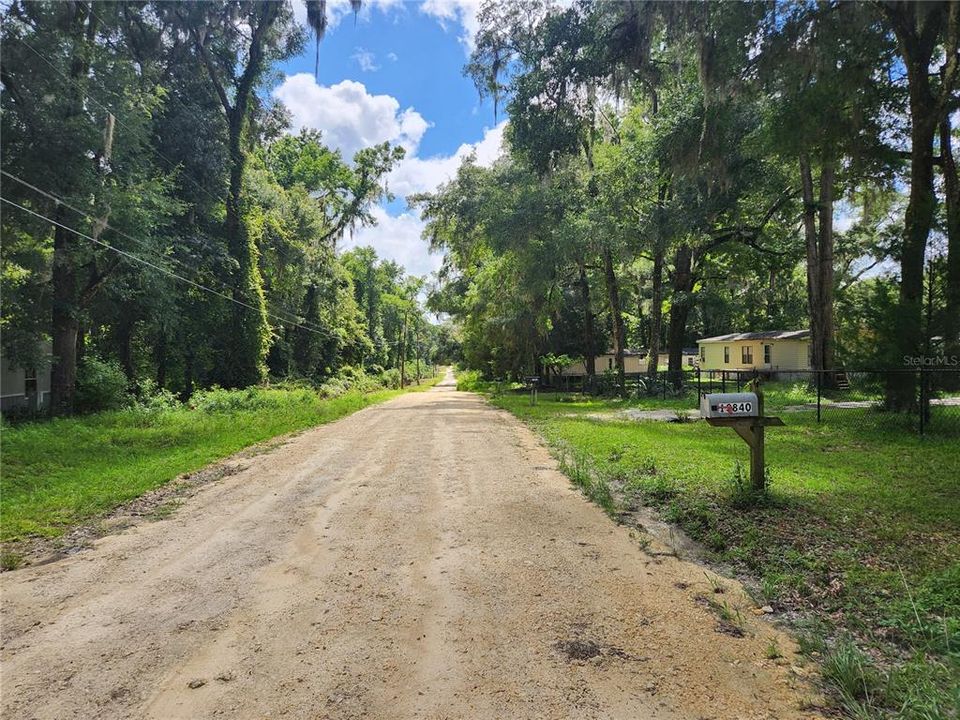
(929, 404)
(858, 399)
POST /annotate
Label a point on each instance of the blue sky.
(395, 73)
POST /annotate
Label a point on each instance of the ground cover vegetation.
(160, 215)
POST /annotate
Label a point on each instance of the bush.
(470, 380)
(219, 400)
(153, 398)
(101, 385)
(390, 378)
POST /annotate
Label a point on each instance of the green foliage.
(470, 381)
(201, 183)
(101, 385)
(852, 674)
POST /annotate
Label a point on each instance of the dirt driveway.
(419, 559)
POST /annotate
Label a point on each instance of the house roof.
(766, 335)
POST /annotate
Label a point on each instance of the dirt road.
(419, 559)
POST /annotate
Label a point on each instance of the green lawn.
(858, 541)
(58, 473)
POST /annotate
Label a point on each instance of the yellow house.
(777, 351)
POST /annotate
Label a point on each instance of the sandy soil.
(419, 559)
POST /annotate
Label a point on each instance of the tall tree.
(921, 29)
(236, 64)
(59, 76)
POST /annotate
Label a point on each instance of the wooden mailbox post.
(533, 381)
(744, 413)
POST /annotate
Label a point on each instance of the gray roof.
(766, 335)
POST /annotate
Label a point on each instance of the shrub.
(219, 400)
(153, 398)
(469, 380)
(101, 385)
(390, 378)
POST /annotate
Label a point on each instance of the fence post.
(699, 388)
(819, 392)
(923, 405)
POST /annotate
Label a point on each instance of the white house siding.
(13, 387)
(633, 364)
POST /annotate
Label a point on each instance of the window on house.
(726, 354)
(703, 353)
(609, 363)
(746, 354)
(30, 381)
(767, 354)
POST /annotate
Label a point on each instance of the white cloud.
(349, 117)
(398, 239)
(416, 174)
(392, 57)
(365, 59)
(461, 12)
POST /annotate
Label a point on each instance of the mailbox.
(729, 405)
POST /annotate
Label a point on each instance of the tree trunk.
(162, 357)
(919, 28)
(901, 386)
(124, 346)
(65, 314)
(248, 331)
(656, 312)
(187, 376)
(951, 192)
(616, 314)
(403, 353)
(818, 236)
(825, 270)
(679, 311)
(246, 339)
(589, 356)
(65, 324)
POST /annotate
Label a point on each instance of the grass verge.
(66, 471)
(857, 541)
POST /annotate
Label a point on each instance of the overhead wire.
(293, 317)
(136, 258)
(119, 119)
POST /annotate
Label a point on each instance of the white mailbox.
(729, 405)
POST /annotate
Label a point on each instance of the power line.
(118, 117)
(172, 164)
(163, 270)
(294, 317)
